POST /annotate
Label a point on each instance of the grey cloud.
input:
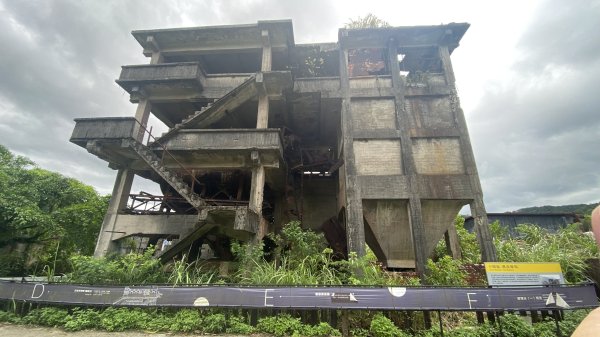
(536, 138)
(565, 33)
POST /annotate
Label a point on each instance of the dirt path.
(9, 330)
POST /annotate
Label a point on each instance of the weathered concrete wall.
(227, 139)
(438, 215)
(429, 112)
(102, 128)
(161, 72)
(373, 114)
(176, 224)
(378, 157)
(319, 201)
(389, 223)
(438, 156)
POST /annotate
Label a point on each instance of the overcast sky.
(528, 75)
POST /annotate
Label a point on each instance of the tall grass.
(569, 247)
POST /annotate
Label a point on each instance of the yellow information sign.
(522, 273)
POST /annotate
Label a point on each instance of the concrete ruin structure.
(363, 139)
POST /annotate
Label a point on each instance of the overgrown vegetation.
(569, 247)
(44, 217)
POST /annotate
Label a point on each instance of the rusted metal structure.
(363, 139)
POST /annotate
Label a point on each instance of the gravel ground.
(9, 330)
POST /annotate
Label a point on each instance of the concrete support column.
(484, 237)
(355, 227)
(482, 229)
(414, 204)
(266, 51)
(142, 114)
(262, 118)
(257, 189)
(117, 202)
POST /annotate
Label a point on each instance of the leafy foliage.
(286, 325)
(48, 316)
(82, 319)
(514, 326)
(382, 326)
(186, 320)
(236, 325)
(131, 268)
(42, 210)
(446, 271)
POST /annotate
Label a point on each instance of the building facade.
(363, 139)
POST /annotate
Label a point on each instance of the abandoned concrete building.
(363, 139)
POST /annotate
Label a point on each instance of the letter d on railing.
(35, 288)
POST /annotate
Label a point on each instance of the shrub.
(186, 320)
(359, 332)
(131, 268)
(81, 319)
(121, 319)
(446, 271)
(281, 325)
(214, 323)
(9, 317)
(48, 316)
(159, 322)
(545, 329)
(514, 326)
(236, 325)
(321, 329)
(382, 326)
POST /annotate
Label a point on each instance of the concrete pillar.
(117, 202)
(266, 51)
(142, 114)
(262, 118)
(257, 189)
(482, 229)
(355, 228)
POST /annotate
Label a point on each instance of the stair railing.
(164, 150)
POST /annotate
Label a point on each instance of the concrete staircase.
(186, 240)
(213, 112)
(169, 176)
(191, 117)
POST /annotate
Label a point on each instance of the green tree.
(44, 216)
